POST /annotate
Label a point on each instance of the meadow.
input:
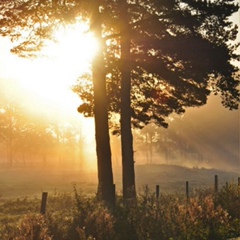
(32, 181)
(74, 212)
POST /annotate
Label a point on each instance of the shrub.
(30, 227)
(204, 216)
(93, 217)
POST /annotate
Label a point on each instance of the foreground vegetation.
(204, 215)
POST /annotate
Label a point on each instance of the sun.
(48, 79)
(74, 49)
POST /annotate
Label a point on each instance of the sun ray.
(48, 79)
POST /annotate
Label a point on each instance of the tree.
(25, 143)
(105, 175)
(10, 128)
(128, 176)
(36, 20)
(147, 139)
(175, 52)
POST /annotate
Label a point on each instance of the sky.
(26, 80)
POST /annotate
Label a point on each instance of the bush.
(30, 227)
(94, 218)
(204, 216)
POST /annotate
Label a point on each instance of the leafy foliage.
(180, 53)
(180, 50)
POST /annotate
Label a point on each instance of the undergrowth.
(203, 216)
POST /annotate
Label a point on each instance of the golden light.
(74, 49)
(43, 85)
(48, 79)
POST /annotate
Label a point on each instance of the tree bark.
(128, 174)
(106, 190)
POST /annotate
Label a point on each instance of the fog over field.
(196, 146)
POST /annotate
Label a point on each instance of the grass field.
(32, 182)
(73, 213)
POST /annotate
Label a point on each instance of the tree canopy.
(181, 51)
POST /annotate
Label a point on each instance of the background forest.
(33, 139)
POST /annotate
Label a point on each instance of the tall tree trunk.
(106, 190)
(129, 190)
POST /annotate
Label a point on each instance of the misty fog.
(204, 137)
(207, 136)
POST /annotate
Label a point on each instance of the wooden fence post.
(43, 203)
(239, 186)
(187, 191)
(216, 183)
(157, 191)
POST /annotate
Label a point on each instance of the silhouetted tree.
(10, 128)
(175, 53)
